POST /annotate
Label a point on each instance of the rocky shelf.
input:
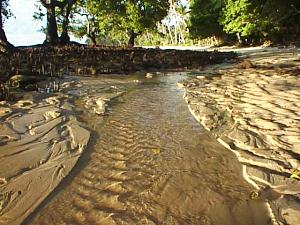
(85, 60)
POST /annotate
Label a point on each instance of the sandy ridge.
(40, 142)
(253, 109)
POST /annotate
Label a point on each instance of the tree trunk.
(4, 44)
(170, 34)
(65, 38)
(94, 41)
(239, 39)
(90, 31)
(92, 38)
(132, 37)
(51, 35)
(2, 33)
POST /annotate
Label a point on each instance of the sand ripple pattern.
(152, 163)
(256, 113)
(40, 142)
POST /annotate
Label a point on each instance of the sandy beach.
(252, 108)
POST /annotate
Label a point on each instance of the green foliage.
(281, 18)
(204, 16)
(96, 20)
(135, 16)
(255, 20)
(240, 17)
(5, 10)
(150, 38)
(142, 15)
(112, 21)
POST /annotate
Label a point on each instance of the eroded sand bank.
(253, 108)
(41, 140)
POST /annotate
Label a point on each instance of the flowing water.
(151, 162)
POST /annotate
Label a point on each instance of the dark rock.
(85, 60)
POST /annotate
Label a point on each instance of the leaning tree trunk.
(51, 35)
(5, 46)
(3, 40)
(239, 39)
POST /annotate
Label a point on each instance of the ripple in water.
(152, 163)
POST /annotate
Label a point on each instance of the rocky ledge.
(84, 60)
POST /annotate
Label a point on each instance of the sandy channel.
(253, 109)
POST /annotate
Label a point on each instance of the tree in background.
(281, 19)
(64, 7)
(241, 18)
(152, 21)
(4, 13)
(138, 16)
(204, 18)
(51, 28)
(99, 21)
(109, 21)
(65, 13)
(251, 21)
(174, 25)
(84, 22)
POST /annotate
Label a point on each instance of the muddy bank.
(253, 109)
(83, 60)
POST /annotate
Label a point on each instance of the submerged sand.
(253, 108)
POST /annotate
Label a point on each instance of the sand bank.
(40, 142)
(253, 108)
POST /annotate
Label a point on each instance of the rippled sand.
(40, 142)
(152, 163)
(254, 110)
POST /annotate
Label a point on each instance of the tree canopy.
(205, 16)
(246, 19)
(168, 21)
(130, 17)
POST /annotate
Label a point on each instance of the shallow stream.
(151, 162)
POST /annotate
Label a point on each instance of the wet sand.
(152, 163)
(253, 109)
(41, 140)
